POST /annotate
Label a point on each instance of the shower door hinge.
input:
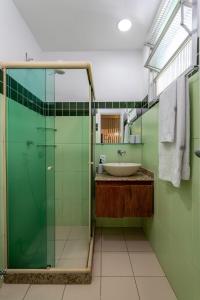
(2, 274)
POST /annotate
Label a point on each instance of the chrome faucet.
(121, 152)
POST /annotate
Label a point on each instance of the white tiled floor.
(72, 246)
(119, 272)
(127, 266)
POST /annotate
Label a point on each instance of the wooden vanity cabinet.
(118, 199)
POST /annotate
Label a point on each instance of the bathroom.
(99, 150)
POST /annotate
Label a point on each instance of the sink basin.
(121, 169)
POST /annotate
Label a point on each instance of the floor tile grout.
(100, 296)
(132, 268)
(65, 287)
(28, 288)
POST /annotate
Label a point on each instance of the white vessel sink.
(121, 169)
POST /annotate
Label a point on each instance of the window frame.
(192, 35)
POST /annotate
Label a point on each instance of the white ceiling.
(78, 25)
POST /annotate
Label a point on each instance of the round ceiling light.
(124, 25)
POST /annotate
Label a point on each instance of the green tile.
(59, 112)
(174, 229)
(59, 105)
(66, 105)
(80, 113)
(138, 104)
(115, 104)
(72, 157)
(72, 112)
(108, 104)
(86, 105)
(69, 130)
(72, 105)
(123, 104)
(102, 104)
(66, 112)
(80, 105)
(195, 105)
(131, 104)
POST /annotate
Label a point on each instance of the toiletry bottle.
(100, 167)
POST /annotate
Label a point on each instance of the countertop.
(141, 175)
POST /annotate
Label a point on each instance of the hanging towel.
(126, 133)
(186, 154)
(174, 156)
(167, 114)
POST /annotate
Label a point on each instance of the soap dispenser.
(100, 167)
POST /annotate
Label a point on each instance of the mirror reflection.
(118, 126)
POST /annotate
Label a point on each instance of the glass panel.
(72, 169)
(180, 63)
(163, 14)
(50, 167)
(27, 197)
(173, 39)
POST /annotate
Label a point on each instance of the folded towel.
(174, 156)
(167, 114)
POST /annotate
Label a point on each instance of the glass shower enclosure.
(30, 164)
(30, 169)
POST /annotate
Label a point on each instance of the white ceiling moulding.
(175, 33)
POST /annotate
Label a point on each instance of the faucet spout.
(121, 152)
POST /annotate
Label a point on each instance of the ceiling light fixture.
(124, 25)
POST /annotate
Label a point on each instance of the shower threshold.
(53, 275)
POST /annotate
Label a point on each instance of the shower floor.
(71, 246)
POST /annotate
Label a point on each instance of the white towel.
(174, 157)
(167, 114)
(186, 154)
(126, 134)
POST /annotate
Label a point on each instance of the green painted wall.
(133, 154)
(174, 231)
(71, 170)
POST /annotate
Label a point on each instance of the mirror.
(118, 126)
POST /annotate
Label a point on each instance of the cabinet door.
(138, 201)
(109, 201)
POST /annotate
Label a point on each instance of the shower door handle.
(197, 152)
(49, 168)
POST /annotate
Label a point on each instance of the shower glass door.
(30, 168)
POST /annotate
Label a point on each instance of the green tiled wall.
(71, 170)
(133, 154)
(174, 231)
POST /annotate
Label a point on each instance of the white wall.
(118, 75)
(16, 37)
